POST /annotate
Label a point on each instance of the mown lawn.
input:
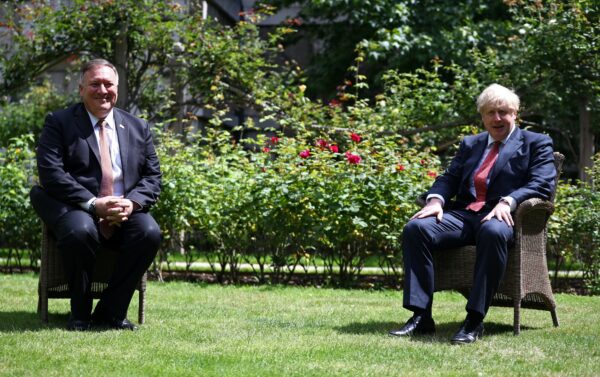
(211, 330)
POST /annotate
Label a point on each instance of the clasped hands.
(114, 209)
(434, 207)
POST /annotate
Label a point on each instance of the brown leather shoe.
(416, 325)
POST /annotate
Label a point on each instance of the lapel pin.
(120, 125)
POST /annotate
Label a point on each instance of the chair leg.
(141, 312)
(517, 320)
(554, 317)
(43, 306)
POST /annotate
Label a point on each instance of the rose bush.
(293, 202)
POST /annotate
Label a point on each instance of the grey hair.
(497, 95)
(95, 63)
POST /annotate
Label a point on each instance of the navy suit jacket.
(524, 169)
(68, 162)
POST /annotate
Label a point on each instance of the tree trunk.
(177, 125)
(586, 139)
(121, 64)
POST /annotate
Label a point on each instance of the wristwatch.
(92, 207)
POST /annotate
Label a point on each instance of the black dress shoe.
(114, 323)
(416, 325)
(78, 324)
(121, 324)
(468, 333)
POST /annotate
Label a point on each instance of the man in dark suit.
(99, 175)
(490, 175)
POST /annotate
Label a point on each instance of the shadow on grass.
(444, 331)
(30, 321)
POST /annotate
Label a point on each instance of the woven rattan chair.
(53, 283)
(526, 283)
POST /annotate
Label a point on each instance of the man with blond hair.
(471, 204)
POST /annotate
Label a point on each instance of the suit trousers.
(422, 237)
(137, 241)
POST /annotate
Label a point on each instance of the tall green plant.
(21, 228)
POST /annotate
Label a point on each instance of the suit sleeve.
(57, 182)
(541, 173)
(148, 187)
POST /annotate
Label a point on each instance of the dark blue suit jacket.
(524, 169)
(69, 162)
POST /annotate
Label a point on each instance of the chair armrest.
(533, 207)
(531, 218)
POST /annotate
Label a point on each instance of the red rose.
(432, 174)
(400, 167)
(353, 158)
(266, 149)
(274, 140)
(355, 137)
(305, 153)
(334, 148)
(322, 144)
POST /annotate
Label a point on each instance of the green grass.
(211, 330)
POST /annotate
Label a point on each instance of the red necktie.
(106, 185)
(480, 179)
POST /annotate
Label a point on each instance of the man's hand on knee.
(432, 208)
(502, 212)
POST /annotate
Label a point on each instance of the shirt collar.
(491, 141)
(110, 119)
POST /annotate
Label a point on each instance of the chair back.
(559, 158)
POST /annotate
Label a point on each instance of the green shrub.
(347, 205)
(573, 233)
(21, 228)
(27, 115)
(299, 200)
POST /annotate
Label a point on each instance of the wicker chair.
(53, 283)
(526, 283)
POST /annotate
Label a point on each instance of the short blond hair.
(498, 95)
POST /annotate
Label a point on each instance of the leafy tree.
(171, 62)
(553, 58)
(402, 35)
